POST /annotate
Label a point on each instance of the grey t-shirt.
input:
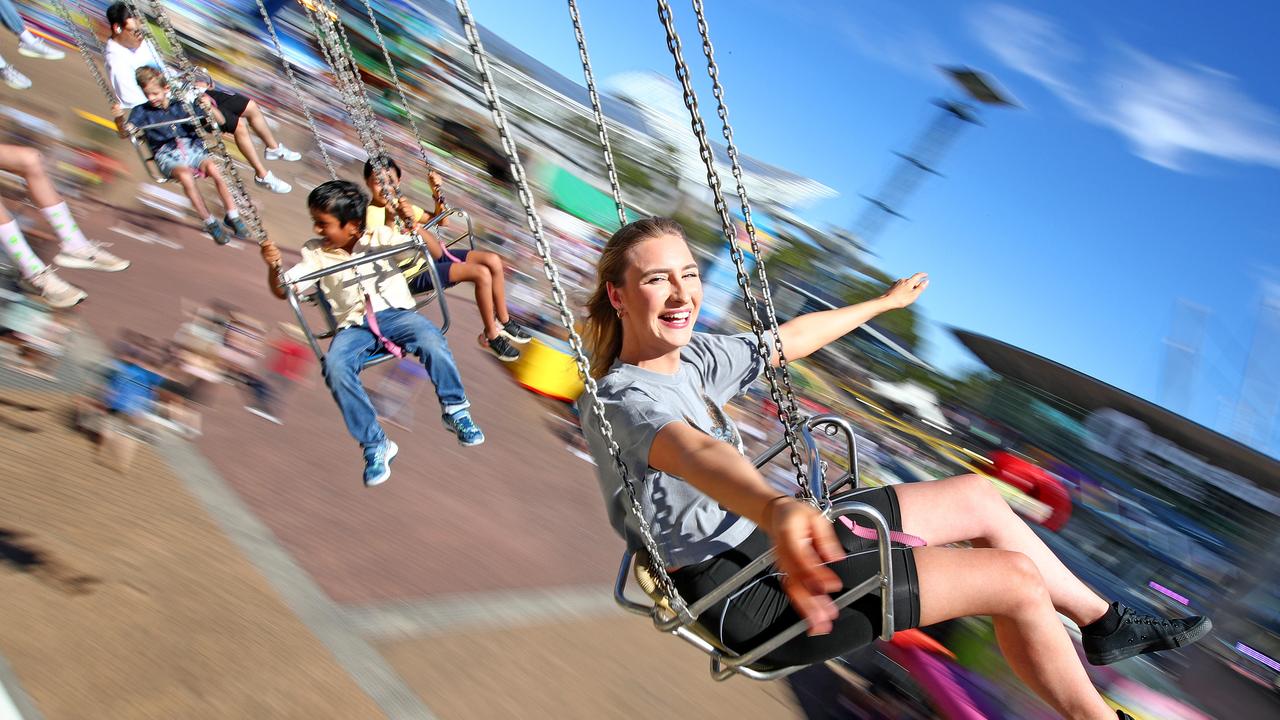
(689, 526)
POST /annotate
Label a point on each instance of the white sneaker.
(36, 47)
(55, 292)
(14, 79)
(273, 183)
(92, 257)
(280, 152)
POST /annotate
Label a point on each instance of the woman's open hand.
(906, 290)
(805, 540)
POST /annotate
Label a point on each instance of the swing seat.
(724, 662)
(546, 367)
(317, 297)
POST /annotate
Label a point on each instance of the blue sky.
(1143, 167)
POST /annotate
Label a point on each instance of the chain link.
(404, 97)
(212, 138)
(665, 584)
(609, 165)
(335, 47)
(788, 413)
(81, 43)
(297, 91)
(744, 279)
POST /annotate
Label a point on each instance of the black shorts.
(231, 105)
(761, 609)
(421, 283)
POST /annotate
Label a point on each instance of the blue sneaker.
(237, 227)
(377, 463)
(461, 424)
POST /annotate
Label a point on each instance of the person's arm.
(802, 336)
(124, 127)
(412, 218)
(804, 538)
(271, 255)
(211, 110)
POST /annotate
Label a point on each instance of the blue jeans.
(352, 346)
(10, 18)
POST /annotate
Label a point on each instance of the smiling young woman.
(663, 385)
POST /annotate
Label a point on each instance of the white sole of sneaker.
(461, 442)
(515, 339)
(60, 306)
(24, 52)
(392, 451)
(71, 262)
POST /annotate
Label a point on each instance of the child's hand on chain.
(270, 253)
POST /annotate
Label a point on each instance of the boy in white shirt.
(126, 52)
(375, 312)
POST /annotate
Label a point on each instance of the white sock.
(3, 63)
(59, 216)
(233, 214)
(16, 247)
(210, 219)
(28, 37)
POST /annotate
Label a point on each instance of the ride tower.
(926, 153)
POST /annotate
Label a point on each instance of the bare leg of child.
(494, 264)
(210, 168)
(187, 179)
(483, 280)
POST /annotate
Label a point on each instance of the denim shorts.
(190, 153)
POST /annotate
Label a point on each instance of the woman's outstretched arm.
(806, 334)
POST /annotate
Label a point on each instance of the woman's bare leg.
(1007, 586)
(967, 507)
(258, 122)
(244, 141)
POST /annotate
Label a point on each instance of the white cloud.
(1028, 43)
(1167, 112)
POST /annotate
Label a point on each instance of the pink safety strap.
(867, 533)
(372, 320)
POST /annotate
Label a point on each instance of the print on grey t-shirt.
(689, 526)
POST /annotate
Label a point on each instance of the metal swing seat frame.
(726, 663)
(317, 297)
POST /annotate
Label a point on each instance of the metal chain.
(337, 53)
(744, 279)
(614, 184)
(212, 139)
(665, 584)
(404, 97)
(790, 413)
(297, 91)
(81, 43)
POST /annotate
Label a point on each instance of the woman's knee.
(1022, 585)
